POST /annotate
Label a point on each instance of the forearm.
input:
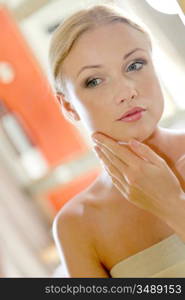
(177, 218)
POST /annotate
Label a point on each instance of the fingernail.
(96, 135)
(135, 143)
(95, 140)
(122, 143)
(97, 149)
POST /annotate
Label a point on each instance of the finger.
(102, 156)
(123, 185)
(113, 165)
(123, 152)
(144, 151)
(117, 179)
(114, 160)
(119, 186)
(115, 173)
(107, 163)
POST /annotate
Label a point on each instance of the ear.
(67, 107)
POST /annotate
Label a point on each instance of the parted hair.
(71, 28)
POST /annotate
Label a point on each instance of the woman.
(131, 221)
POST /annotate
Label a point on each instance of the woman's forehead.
(93, 46)
(108, 35)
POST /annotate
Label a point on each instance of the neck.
(159, 143)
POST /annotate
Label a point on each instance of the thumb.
(145, 152)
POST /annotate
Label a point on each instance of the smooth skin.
(137, 173)
(126, 210)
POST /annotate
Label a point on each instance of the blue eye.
(136, 66)
(92, 83)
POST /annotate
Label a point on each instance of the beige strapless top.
(164, 259)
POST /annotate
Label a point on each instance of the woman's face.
(108, 72)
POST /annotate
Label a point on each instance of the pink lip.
(131, 112)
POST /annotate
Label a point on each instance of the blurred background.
(44, 159)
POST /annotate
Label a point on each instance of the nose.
(127, 92)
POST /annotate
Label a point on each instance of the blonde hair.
(74, 26)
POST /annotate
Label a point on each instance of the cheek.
(157, 101)
(95, 117)
(87, 112)
(91, 107)
(90, 103)
(152, 96)
(152, 89)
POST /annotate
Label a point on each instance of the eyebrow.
(99, 66)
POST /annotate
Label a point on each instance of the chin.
(140, 136)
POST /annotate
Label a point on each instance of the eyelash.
(141, 61)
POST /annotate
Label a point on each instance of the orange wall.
(30, 96)
(60, 195)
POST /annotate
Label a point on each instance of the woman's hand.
(141, 175)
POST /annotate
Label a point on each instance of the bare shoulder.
(73, 231)
(79, 212)
(73, 216)
(180, 135)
